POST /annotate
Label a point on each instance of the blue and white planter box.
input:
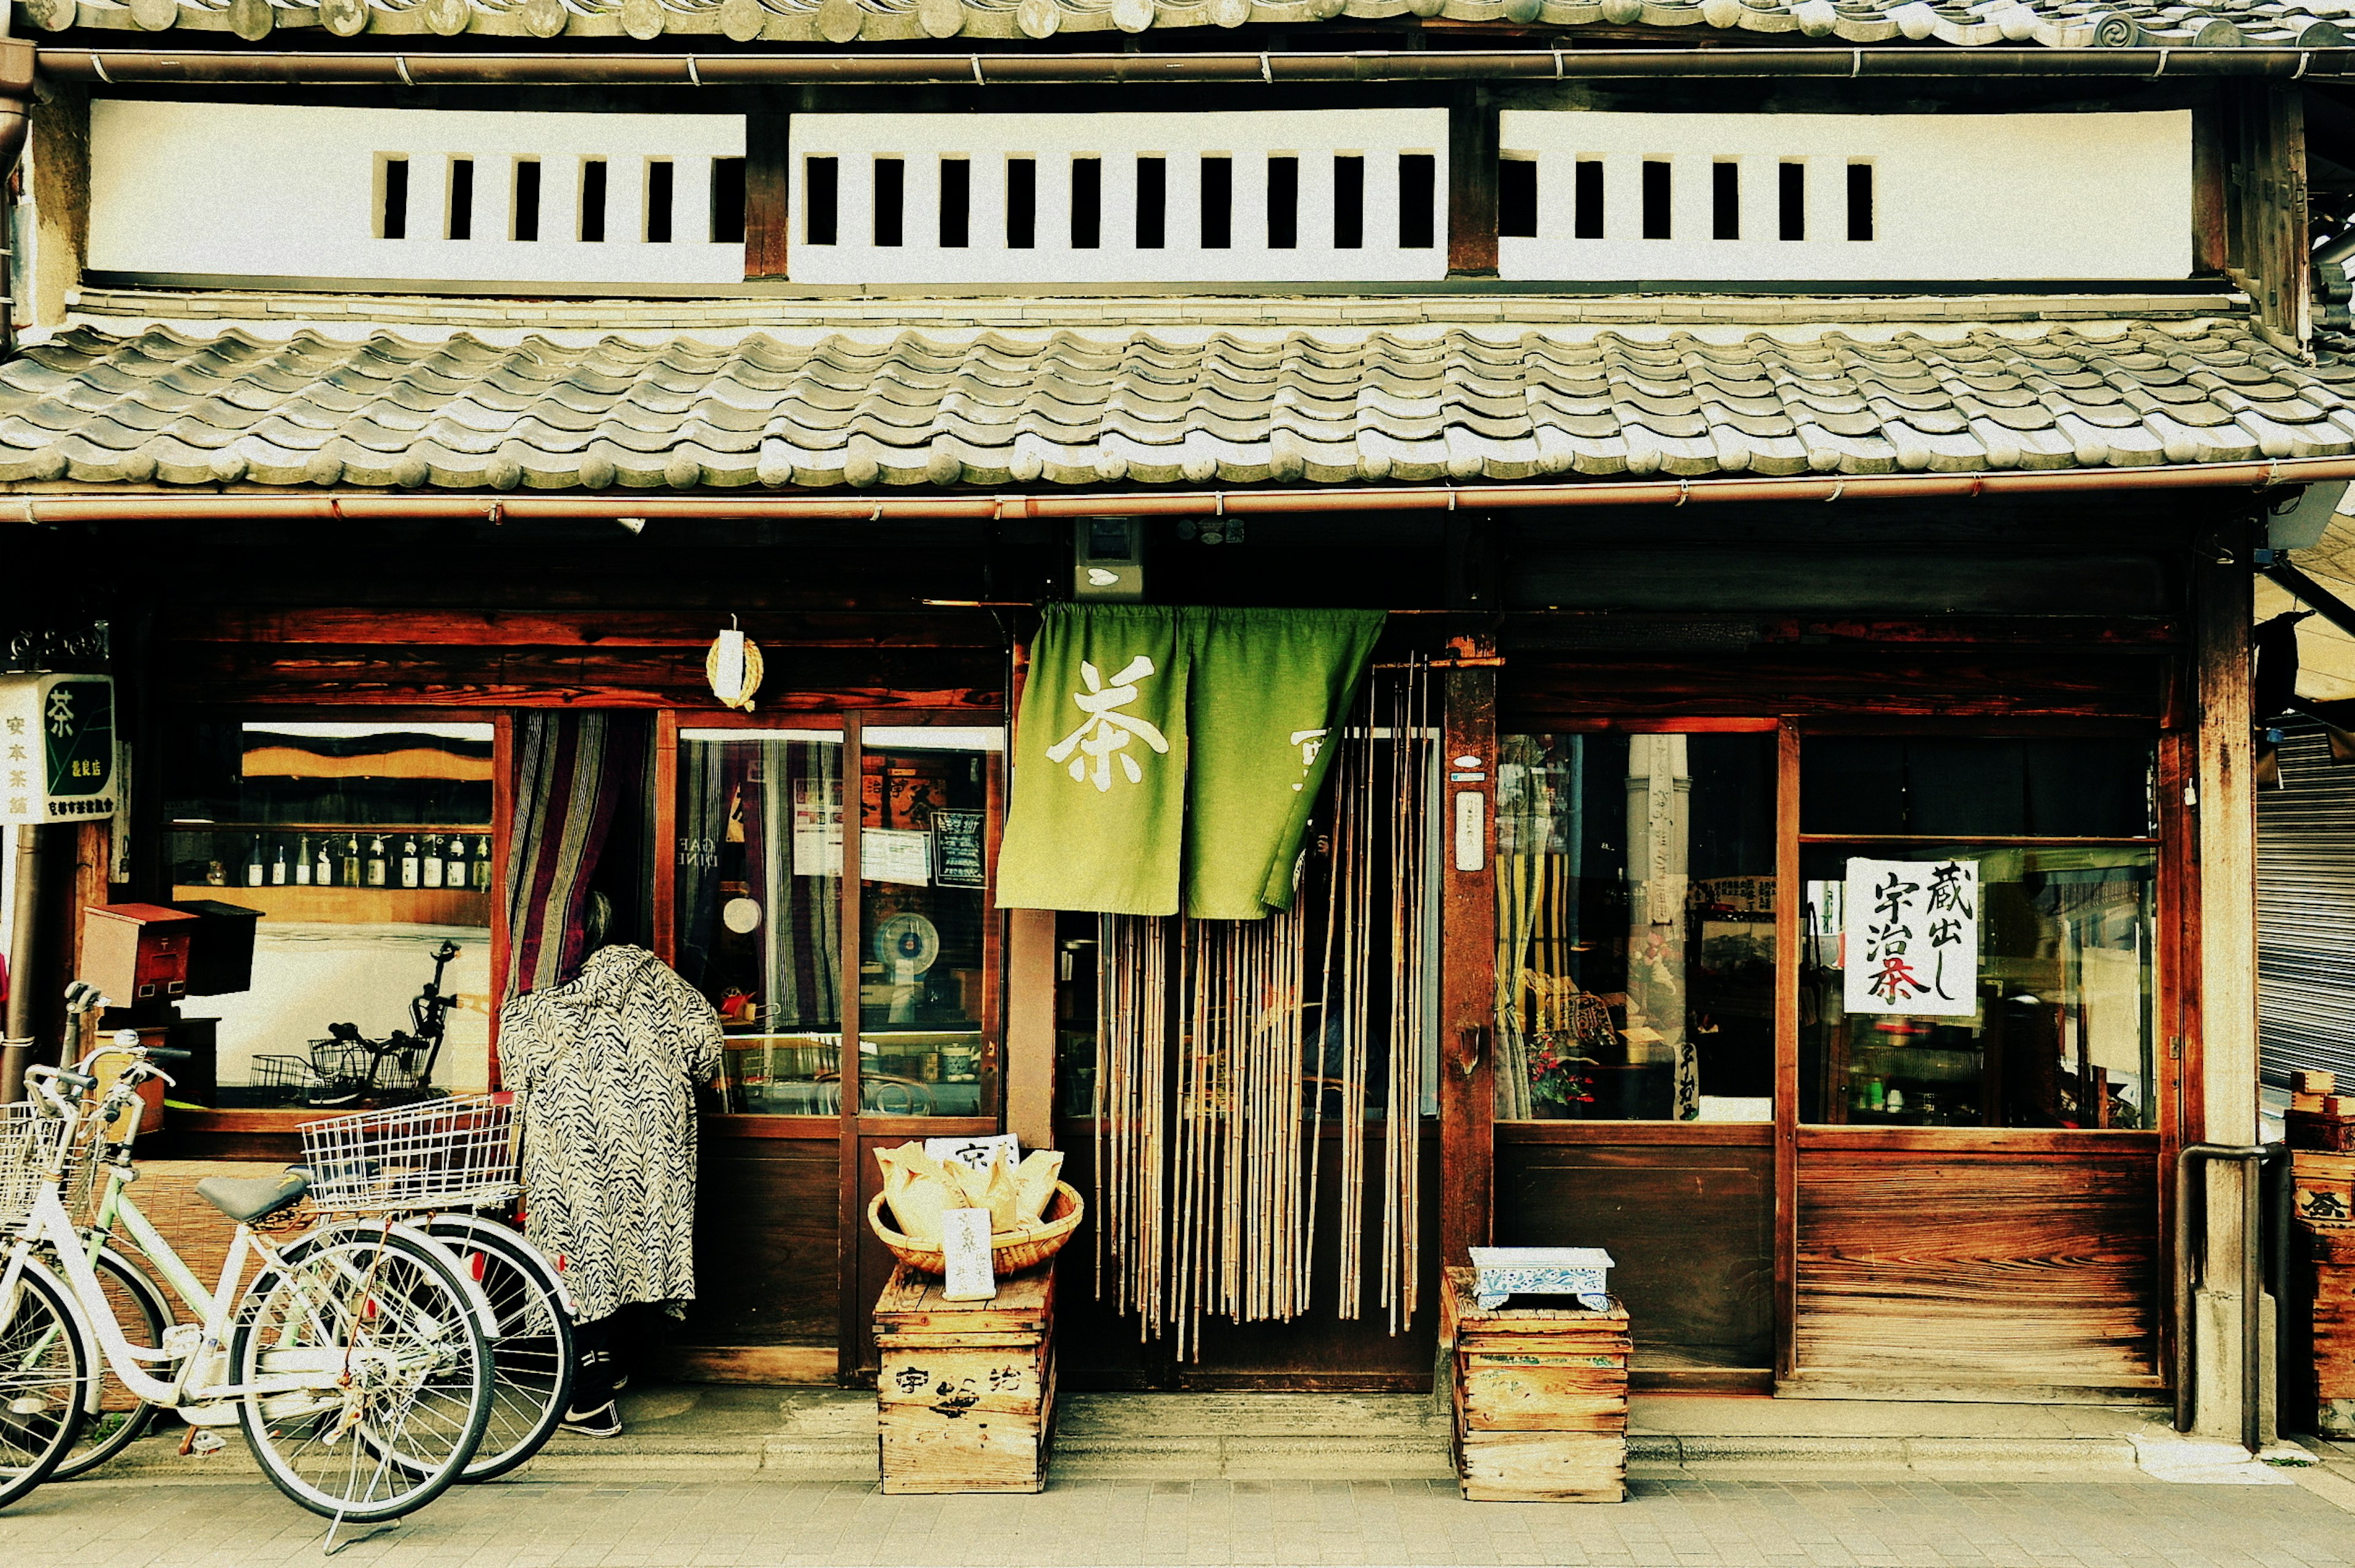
(1501, 1272)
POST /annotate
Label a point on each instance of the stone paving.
(684, 1523)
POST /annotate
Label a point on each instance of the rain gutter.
(351, 506)
(450, 67)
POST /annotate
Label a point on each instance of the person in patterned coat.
(606, 1066)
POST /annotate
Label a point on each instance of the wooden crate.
(966, 1394)
(2333, 1249)
(2323, 1186)
(1540, 1398)
(2318, 1131)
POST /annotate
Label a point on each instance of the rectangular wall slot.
(1586, 201)
(461, 223)
(662, 194)
(956, 203)
(821, 186)
(1517, 198)
(1283, 203)
(1417, 200)
(728, 200)
(1348, 203)
(1859, 201)
(392, 214)
(890, 190)
(1087, 204)
(1021, 204)
(1725, 200)
(1218, 204)
(527, 200)
(1152, 203)
(592, 201)
(1658, 223)
(1791, 197)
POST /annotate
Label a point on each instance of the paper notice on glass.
(818, 828)
(1913, 930)
(896, 855)
(964, 1249)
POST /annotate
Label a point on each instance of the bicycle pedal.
(203, 1441)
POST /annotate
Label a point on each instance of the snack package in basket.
(920, 1189)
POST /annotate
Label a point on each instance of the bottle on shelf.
(430, 867)
(303, 862)
(351, 871)
(322, 868)
(377, 865)
(1876, 1096)
(454, 861)
(256, 872)
(483, 863)
(278, 865)
(409, 870)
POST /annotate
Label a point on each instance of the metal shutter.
(2305, 910)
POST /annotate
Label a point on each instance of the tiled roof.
(2307, 24)
(1165, 406)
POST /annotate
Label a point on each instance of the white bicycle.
(358, 1363)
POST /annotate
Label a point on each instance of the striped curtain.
(573, 770)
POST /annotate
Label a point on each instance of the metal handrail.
(2252, 1270)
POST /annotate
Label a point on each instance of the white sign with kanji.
(1912, 937)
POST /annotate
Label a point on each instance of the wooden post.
(2265, 209)
(854, 1319)
(768, 206)
(1467, 985)
(1031, 1026)
(1472, 184)
(2227, 918)
(1789, 933)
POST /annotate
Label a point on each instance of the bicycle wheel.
(531, 1349)
(44, 1371)
(139, 1305)
(403, 1371)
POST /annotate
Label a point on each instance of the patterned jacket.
(606, 1065)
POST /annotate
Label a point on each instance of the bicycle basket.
(458, 1153)
(28, 1139)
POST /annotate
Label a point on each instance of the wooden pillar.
(2226, 1084)
(1031, 1026)
(1472, 184)
(768, 208)
(1467, 985)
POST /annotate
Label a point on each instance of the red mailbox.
(136, 952)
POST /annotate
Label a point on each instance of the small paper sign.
(964, 1248)
(896, 855)
(1913, 930)
(976, 1151)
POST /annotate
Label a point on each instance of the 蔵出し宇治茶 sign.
(1912, 937)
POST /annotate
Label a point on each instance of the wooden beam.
(1788, 936)
(2226, 917)
(768, 208)
(1472, 184)
(666, 829)
(1467, 987)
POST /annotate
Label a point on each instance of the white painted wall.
(1315, 136)
(1959, 197)
(270, 190)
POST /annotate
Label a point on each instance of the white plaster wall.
(1958, 196)
(269, 190)
(1315, 136)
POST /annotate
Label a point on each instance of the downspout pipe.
(435, 66)
(98, 504)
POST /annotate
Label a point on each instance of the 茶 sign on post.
(1912, 937)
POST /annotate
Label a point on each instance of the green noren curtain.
(1167, 757)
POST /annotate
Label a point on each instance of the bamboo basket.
(1010, 1252)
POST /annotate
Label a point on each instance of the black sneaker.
(605, 1421)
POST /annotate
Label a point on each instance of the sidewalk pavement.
(733, 1478)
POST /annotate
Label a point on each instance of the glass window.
(369, 848)
(760, 910)
(926, 931)
(1951, 979)
(1636, 927)
(2054, 1026)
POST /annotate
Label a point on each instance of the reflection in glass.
(923, 913)
(2061, 1033)
(366, 847)
(1636, 927)
(759, 928)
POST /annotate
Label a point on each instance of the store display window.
(1636, 903)
(763, 927)
(1980, 932)
(370, 849)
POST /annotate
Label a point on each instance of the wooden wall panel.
(766, 1243)
(2026, 1266)
(1690, 1228)
(1889, 682)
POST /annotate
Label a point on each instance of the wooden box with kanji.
(2333, 1251)
(965, 1395)
(1540, 1396)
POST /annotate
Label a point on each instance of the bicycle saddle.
(246, 1199)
